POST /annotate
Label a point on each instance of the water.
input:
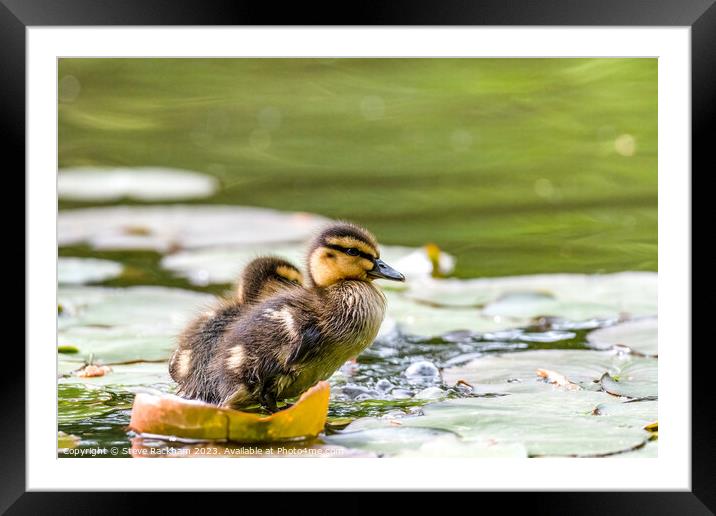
(375, 385)
(515, 166)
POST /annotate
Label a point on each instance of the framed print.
(442, 251)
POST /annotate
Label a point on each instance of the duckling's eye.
(352, 252)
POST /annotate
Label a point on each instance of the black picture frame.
(700, 15)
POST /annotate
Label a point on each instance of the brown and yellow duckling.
(262, 278)
(280, 347)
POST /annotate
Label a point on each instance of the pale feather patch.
(184, 363)
(349, 241)
(235, 358)
(285, 317)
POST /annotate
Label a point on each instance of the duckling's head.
(265, 276)
(344, 251)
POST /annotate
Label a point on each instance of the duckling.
(280, 347)
(260, 279)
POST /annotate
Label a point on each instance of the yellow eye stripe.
(289, 273)
(348, 242)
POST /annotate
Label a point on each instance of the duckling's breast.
(354, 313)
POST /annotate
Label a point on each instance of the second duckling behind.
(280, 347)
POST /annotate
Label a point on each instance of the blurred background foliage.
(516, 166)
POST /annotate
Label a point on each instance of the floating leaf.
(414, 318)
(517, 372)
(78, 271)
(168, 227)
(571, 296)
(637, 378)
(145, 184)
(553, 423)
(173, 416)
(68, 349)
(124, 376)
(135, 323)
(639, 335)
(205, 266)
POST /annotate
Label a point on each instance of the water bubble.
(431, 393)
(372, 107)
(401, 394)
(269, 118)
(625, 145)
(353, 391)
(384, 385)
(68, 88)
(422, 369)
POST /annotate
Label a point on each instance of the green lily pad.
(119, 344)
(632, 413)
(135, 323)
(639, 335)
(164, 228)
(551, 423)
(517, 372)
(144, 184)
(649, 451)
(571, 296)
(124, 376)
(218, 265)
(384, 439)
(416, 318)
(78, 271)
(636, 378)
(163, 307)
(450, 446)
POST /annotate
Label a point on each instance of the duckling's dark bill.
(384, 271)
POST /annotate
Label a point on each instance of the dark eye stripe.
(345, 250)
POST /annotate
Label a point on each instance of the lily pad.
(164, 228)
(415, 318)
(571, 296)
(78, 271)
(385, 439)
(518, 372)
(144, 184)
(639, 335)
(123, 324)
(169, 415)
(223, 264)
(554, 423)
(450, 446)
(636, 378)
(123, 376)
